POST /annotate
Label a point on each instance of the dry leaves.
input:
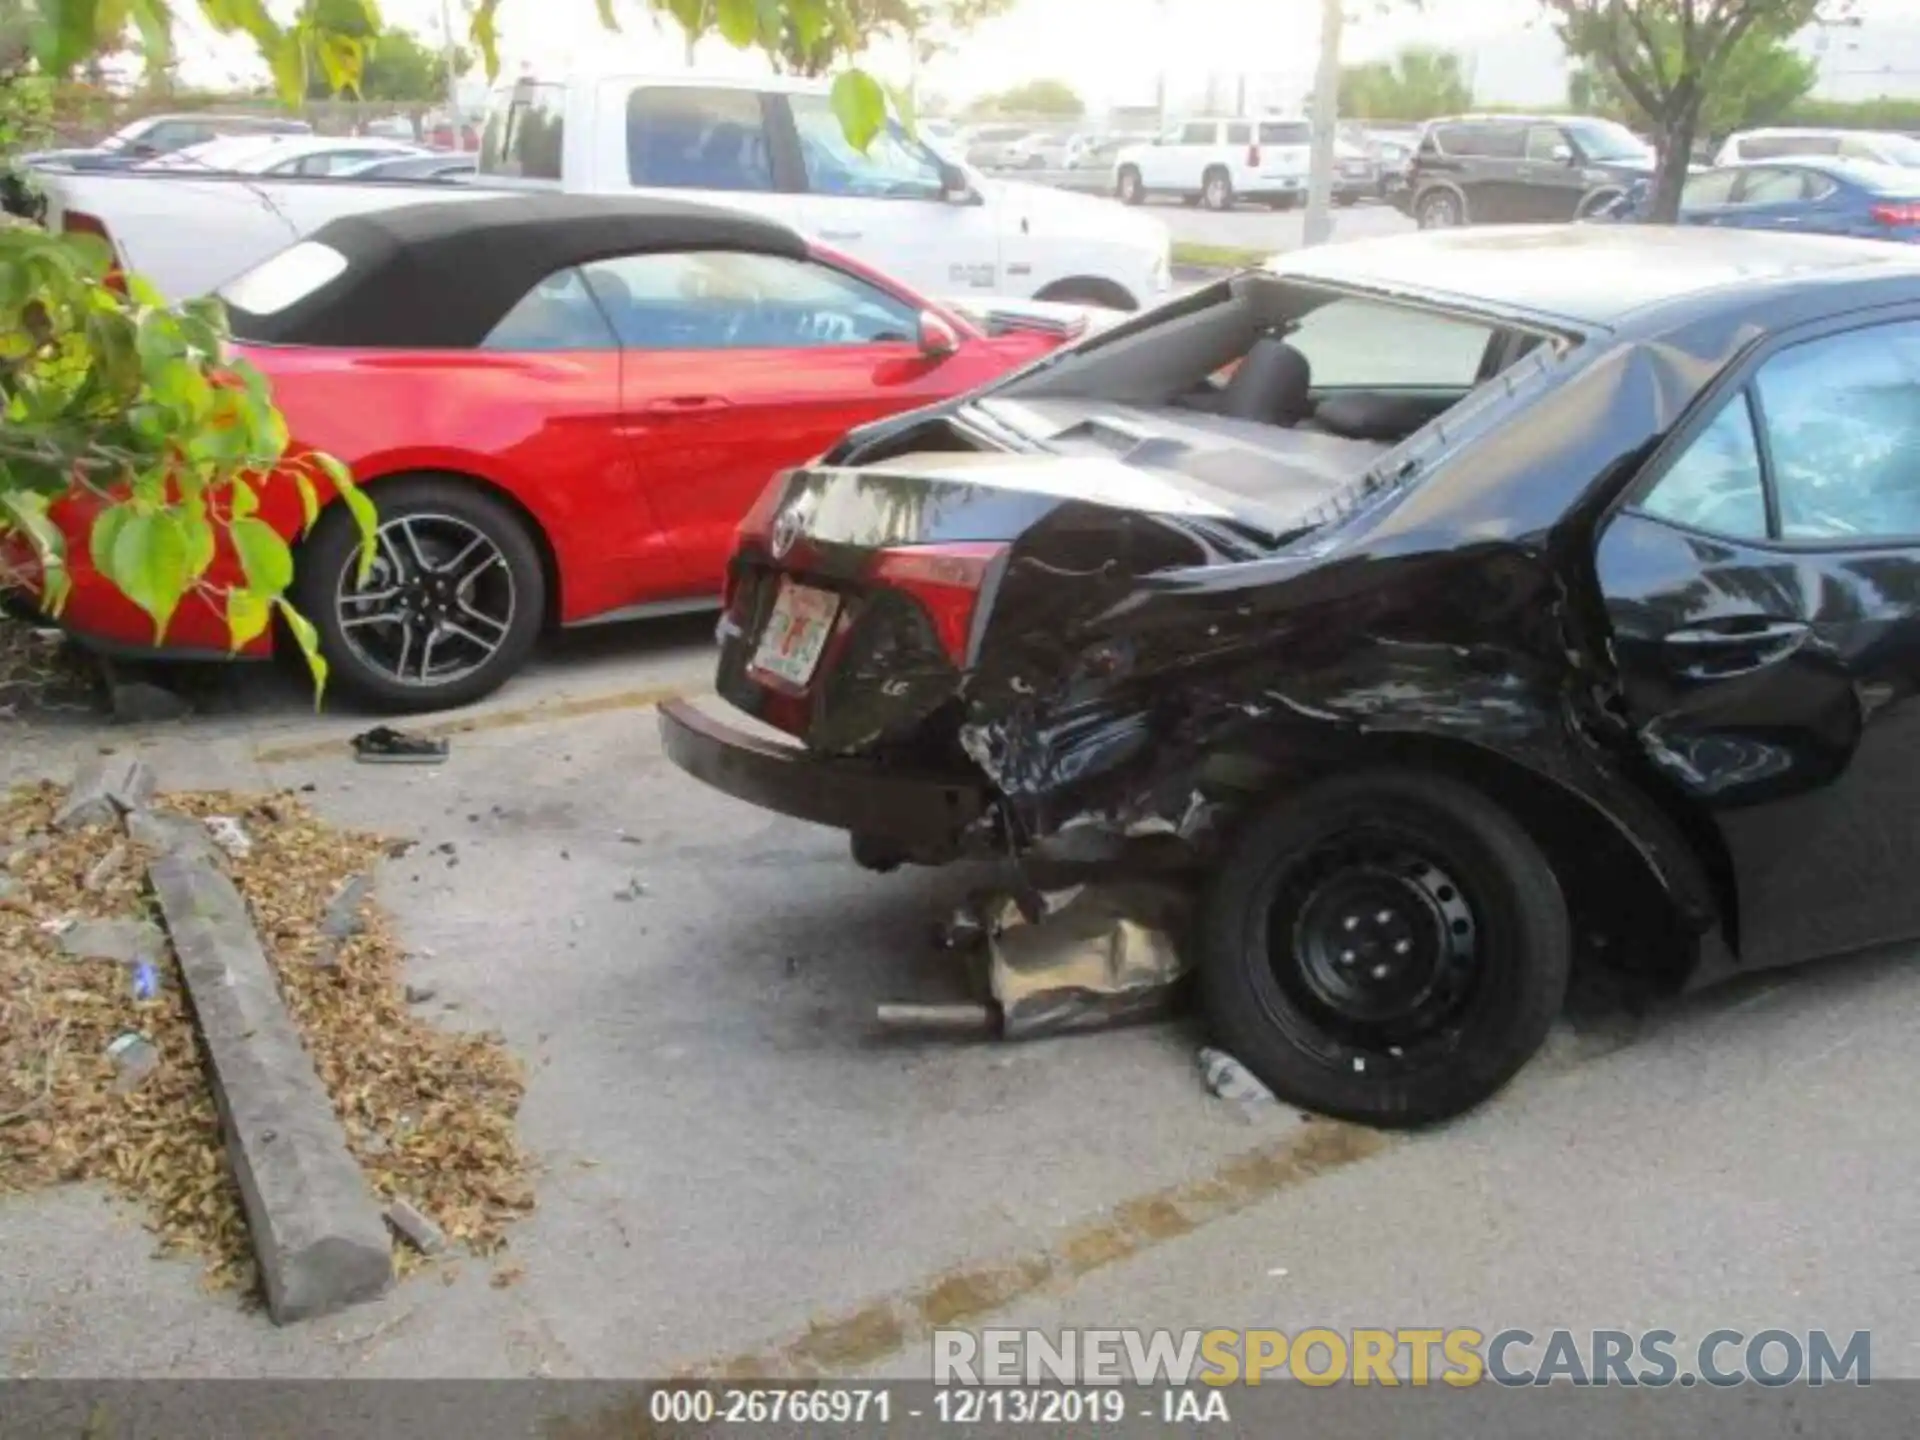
(429, 1114)
(39, 670)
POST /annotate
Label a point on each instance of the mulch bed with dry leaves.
(429, 1114)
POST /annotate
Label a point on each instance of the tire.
(1440, 209)
(1326, 1036)
(1216, 191)
(1346, 202)
(1595, 203)
(1284, 202)
(1128, 186)
(497, 597)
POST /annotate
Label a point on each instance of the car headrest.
(1270, 384)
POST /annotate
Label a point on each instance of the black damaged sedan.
(1445, 604)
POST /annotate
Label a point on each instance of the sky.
(1115, 51)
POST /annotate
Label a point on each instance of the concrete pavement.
(736, 1168)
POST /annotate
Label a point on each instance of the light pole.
(1318, 227)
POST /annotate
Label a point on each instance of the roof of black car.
(1596, 275)
(441, 275)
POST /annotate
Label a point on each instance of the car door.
(1763, 587)
(1706, 199)
(1551, 181)
(1769, 197)
(739, 365)
(890, 206)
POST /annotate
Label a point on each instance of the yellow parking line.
(881, 1327)
(497, 720)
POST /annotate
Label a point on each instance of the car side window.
(1501, 142)
(1198, 133)
(689, 137)
(1843, 431)
(1770, 186)
(1543, 140)
(1717, 484)
(895, 166)
(1818, 187)
(559, 313)
(735, 300)
(1853, 149)
(1239, 134)
(1713, 188)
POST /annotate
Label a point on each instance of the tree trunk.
(1676, 155)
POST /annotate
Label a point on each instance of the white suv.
(1219, 162)
(1878, 147)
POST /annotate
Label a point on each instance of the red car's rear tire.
(451, 609)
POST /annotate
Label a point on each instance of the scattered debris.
(416, 1229)
(230, 835)
(1230, 1080)
(963, 1017)
(105, 868)
(146, 981)
(632, 890)
(134, 1058)
(126, 942)
(103, 791)
(20, 854)
(420, 994)
(508, 1275)
(1086, 957)
(383, 745)
(1279, 1273)
(340, 919)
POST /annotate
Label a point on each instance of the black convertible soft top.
(441, 276)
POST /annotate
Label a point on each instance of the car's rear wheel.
(1129, 188)
(1596, 204)
(1440, 209)
(450, 609)
(1387, 947)
(1217, 190)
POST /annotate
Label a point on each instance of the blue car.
(1807, 195)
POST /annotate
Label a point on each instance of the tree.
(106, 390)
(1052, 98)
(929, 26)
(398, 67)
(1670, 59)
(1420, 82)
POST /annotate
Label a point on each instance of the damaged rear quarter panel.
(1458, 618)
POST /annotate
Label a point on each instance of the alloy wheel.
(437, 604)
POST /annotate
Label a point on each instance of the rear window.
(1285, 132)
(524, 138)
(1368, 345)
(284, 279)
(694, 138)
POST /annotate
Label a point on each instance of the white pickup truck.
(772, 146)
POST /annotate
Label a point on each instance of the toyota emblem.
(787, 528)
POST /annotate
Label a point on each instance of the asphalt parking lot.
(738, 1171)
(1250, 228)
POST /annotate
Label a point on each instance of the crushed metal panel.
(1108, 955)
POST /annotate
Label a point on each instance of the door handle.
(684, 404)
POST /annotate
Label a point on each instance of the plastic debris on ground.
(1088, 957)
(429, 1114)
(384, 745)
(1230, 1080)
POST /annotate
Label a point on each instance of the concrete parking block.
(317, 1231)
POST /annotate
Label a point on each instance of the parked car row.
(1220, 162)
(1806, 195)
(771, 147)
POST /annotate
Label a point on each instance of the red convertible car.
(562, 409)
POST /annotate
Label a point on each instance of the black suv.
(1506, 168)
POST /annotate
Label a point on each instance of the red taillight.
(79, 222)
(1902, 214)
(1253, 156)
(947, 581)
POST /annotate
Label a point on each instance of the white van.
(1877, 147)
(775, 146)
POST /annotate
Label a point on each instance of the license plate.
(796, 633)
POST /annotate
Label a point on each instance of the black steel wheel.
(1216, 191)
(1440, 209)
(450, 608)
(1128, 186)
(1388, 947)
